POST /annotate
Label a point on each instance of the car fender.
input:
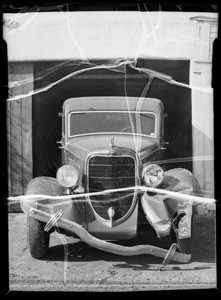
(44, 185)
(161, 209)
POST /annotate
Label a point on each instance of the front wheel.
(38, 239)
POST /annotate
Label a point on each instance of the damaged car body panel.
(109, 144)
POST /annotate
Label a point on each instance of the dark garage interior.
(46, 124)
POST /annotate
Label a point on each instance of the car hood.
(84, 145)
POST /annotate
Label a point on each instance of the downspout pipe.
(104, 245)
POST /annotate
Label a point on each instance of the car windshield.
(99, 122)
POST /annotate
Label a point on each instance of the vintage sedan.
(109, 180)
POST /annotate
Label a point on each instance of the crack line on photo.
(175, 195)
(65, 245)
(156, 74)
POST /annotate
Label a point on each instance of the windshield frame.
(111, 133)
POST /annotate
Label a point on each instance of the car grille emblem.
(111, 212)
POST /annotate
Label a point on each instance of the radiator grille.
(111, 172)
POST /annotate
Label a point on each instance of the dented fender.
(156, 213)
(160, 210)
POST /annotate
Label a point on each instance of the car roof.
(112, 103)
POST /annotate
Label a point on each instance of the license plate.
(184, 227)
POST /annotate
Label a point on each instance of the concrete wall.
(203, 130)
(97, 35)
(202, 107)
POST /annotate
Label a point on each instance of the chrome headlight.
(67, 176)
(153, 175)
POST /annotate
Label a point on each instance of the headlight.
(67, 176)
(153, 175)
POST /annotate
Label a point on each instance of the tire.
(38, 239)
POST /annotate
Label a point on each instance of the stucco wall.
(74, 35)
(203, 130)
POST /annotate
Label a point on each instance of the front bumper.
(92, 241)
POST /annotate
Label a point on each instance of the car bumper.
(85, 236)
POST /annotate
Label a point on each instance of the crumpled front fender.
(160, 209)
(156, 213)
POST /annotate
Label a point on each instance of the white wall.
(74, 35)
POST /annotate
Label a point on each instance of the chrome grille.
(111, 172)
